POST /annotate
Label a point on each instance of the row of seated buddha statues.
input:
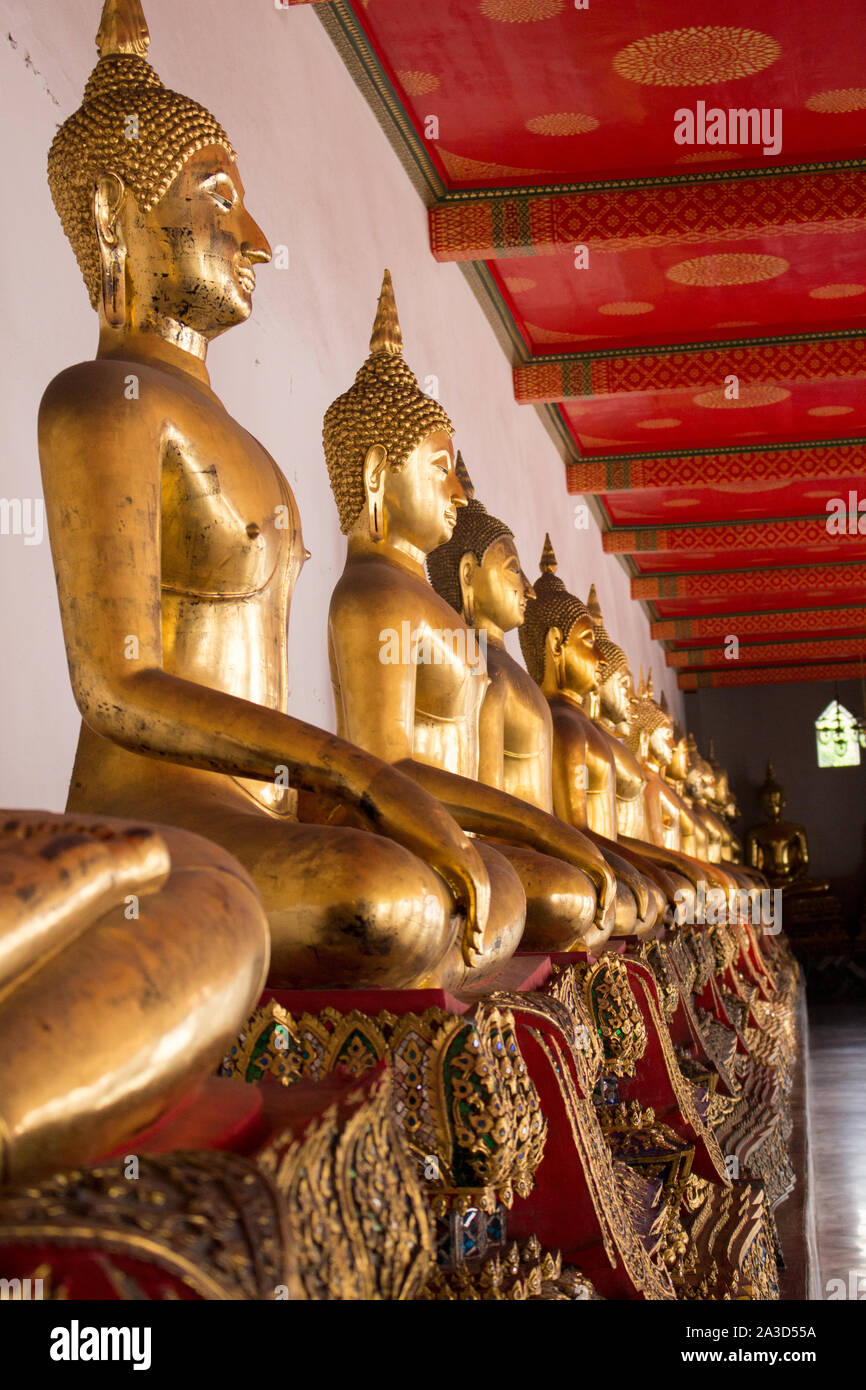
(471, 919)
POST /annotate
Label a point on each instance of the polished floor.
(837, 1127)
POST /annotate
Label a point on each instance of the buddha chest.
(527, 730)
(229, 524)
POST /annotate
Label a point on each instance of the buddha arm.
(487, 811)
(569, 770)
(802, 846)
(667, 858)
(662, 880)
(104, 525)
(491, 735)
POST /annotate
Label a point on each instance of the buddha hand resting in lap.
(177, 544)
(478, 572)
(391, 464)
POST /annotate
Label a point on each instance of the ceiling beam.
(686, 468)
(798, 622)
(767, 653)
(771, 675)
(580, 376)
(768, 584)
(710, 209)
(727, 536)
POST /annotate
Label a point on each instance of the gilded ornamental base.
(601, 1128)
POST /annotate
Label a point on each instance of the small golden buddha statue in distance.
(177, 543)
(478, 572)
(409, 674)
(779, 848)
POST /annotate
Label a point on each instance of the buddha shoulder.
(376, 591)
(107, 395)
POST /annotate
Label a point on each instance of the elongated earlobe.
(374, 482)
(467, 592)
(107, 201)
(114, 288)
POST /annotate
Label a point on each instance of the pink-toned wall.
(322, 180)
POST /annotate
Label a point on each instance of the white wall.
(322, 179)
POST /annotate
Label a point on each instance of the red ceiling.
(501, 64)
(685, 419)
(698, 256)
(563, 309)
(666, 507)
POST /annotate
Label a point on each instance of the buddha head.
(679, 763)
(700, 781)
(146, 185)
(771, 796)
(721, 792)
(614, 676)
(388, 449)
(557, 637)
(652, 730)
(478, 570)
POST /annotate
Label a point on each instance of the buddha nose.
(528, 590)
(255, 245)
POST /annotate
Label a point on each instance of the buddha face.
(421, 498)
(773, 803)
(679, 763)
(722, 790)
(499, 586)
(661, 744)
(701, 783)
(191, 258)
(573, 663)
(615, 695)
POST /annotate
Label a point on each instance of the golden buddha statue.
(779, 848)
(706, 795)
(651, 739)
(177, 543)
(640, 827)
(409, 674)
(478, 573)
